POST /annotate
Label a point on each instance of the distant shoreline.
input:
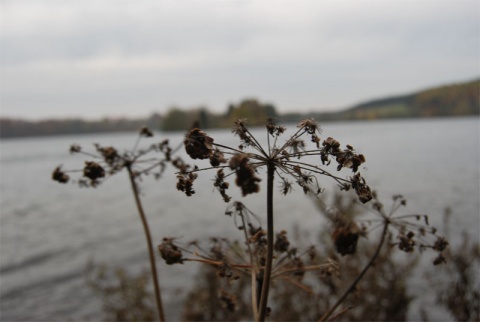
(53, 135)
(459, 99)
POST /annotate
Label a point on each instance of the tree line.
(451, 100)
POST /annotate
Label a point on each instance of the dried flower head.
(361, 188)
(165, 148)
(440, 259)
(59, 175)
(281, 243)
(198, 144)
(145, 131)
(109, 154)
(229, 301)
(217, 158)
(274, 129)
(241, 131)
(280, 157)
(345, 237)
(185, 182)
(221, 185)
(93, 170)
(246, 178)
(348, 159)
(440, 244)
(310, 125)
(312, 128)
(406, 242)
(75, 148)
(330, 147)
(286, 187)
(170, 252)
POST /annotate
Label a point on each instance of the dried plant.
(459, 289)
(125, 297)
(106, 161)
(267, 255)
(460, 294)
(407, 232)
(311, 281)
(286, 160)
(293, 159)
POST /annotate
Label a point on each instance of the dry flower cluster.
(106, 161)
(266, 254)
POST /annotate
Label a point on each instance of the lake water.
(48, 232)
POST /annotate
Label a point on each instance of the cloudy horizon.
(91, 59)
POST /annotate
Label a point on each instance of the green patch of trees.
(252, 110)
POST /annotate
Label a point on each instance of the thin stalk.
(149, 243)
(360, 276)
(253, 273)
(297, 134)
(268, 265)
(257, 146)
(136, 144)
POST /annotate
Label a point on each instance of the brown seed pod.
(170, 253)
(345, 237)
(198, 144)
(60, 176)
(93, 170)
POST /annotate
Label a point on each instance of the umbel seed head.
(198, 144)
(59, 175)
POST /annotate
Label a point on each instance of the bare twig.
(360, 276)
(149, 243)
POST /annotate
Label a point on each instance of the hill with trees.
(251, 109)
(450, 100)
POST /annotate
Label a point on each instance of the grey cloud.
(107, 56)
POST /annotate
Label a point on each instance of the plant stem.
(149, 243)
(268, 265)
(360, 276)
(253, 273)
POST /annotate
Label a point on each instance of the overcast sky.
(93, 58)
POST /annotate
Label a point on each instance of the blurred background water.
(49, 231)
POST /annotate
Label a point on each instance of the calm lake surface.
(49, 232)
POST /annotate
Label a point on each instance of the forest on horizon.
(451, 100)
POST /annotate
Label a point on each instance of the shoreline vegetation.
(460, 99)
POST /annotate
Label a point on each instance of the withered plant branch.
(141, 153)
(154, 160)
(253, 272)
(280, 264)
(237, 253)
(178, 147)
(417, 216)
(136, 144)
(257, 145)
(91, 155)
(281, 271)
(345, 310)
(268, 144)
(241, 268)
(351, 288)
(268, 265)
(151, 167)
(209, 168)
(289, 141)
(227, 147)
(318, 170)
(298, 284)
(151, 253)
